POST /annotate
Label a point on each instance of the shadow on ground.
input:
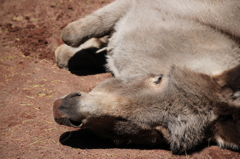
(85, 139)
(88, 62)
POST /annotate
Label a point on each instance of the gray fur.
(172, 61)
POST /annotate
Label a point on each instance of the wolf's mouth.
(68, 122)
(75, 123)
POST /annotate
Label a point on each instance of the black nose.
(72, 95)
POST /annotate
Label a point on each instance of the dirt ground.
(30, 82)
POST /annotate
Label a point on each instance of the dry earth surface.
(30, 82)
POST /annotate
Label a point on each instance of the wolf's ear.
(227, 133)
(227, 128)
(230, 79)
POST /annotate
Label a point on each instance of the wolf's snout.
(65, 108)
(59, 116)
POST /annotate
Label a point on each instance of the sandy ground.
(30, 82)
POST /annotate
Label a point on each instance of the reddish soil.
(30, 82)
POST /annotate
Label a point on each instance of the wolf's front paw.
(72, 35)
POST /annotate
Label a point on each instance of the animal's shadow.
(85, 139)
(87, 62)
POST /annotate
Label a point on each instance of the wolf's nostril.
(74, 94)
